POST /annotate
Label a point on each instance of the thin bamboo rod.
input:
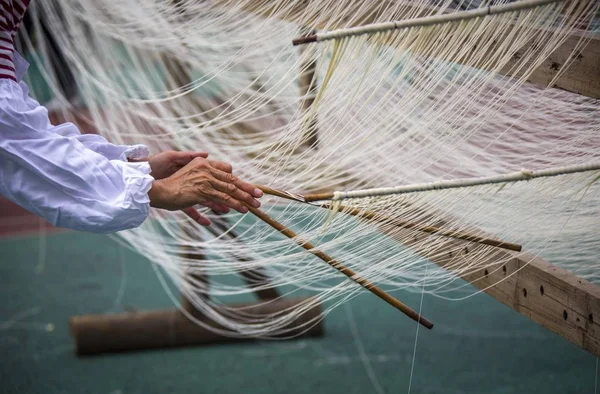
(319, 197)
(424, 21)
(426, 229)
(520, 176)
(465, 236)
(281, 193)
(341, 268)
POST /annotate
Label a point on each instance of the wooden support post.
(255, 278)
(308, 90)
(186, 303)
(201, 279)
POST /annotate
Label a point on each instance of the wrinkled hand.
(165, 164)
(205, 182)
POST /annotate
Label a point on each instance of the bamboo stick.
(280, 193)
(341, 268)
(427, 229)
(373, 28)
(520, 176)
(318, 197)
(400, 223)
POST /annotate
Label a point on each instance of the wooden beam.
(581, 76)
(581, 72)
(551, 296)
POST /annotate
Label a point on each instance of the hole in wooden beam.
(486, 273)
(542, 290)
(591, 318)
(504, 269)
(525, 293)
(565, 315)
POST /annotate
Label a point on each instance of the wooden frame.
(551, 296)
(548, 295)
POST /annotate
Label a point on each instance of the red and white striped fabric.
(11, 14)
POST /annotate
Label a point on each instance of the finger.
(222, 208)
(196, 216)
(235, 192)
(185, 157)
(216, 207)
(220, 165)
(244, 186)
(227, 200)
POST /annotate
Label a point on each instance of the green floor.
(477, 346)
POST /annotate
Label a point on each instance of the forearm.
(100, 211)
(58, 178)
(158, 195)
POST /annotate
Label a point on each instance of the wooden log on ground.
(96, 334)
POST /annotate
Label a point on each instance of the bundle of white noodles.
(396, 107)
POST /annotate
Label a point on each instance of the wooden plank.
(581, 76)
(551, 296)
(582, 73)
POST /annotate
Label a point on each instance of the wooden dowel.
(341, 268)
(279, 193)
(304, 40)
(318, 197)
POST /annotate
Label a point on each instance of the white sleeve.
(54, 175)
(94, 142)
(100, 145)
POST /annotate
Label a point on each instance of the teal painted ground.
(477, 346)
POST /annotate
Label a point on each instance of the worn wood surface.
(577, 61)
(548, 295)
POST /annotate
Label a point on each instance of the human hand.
(167, 163)
(205, 182)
